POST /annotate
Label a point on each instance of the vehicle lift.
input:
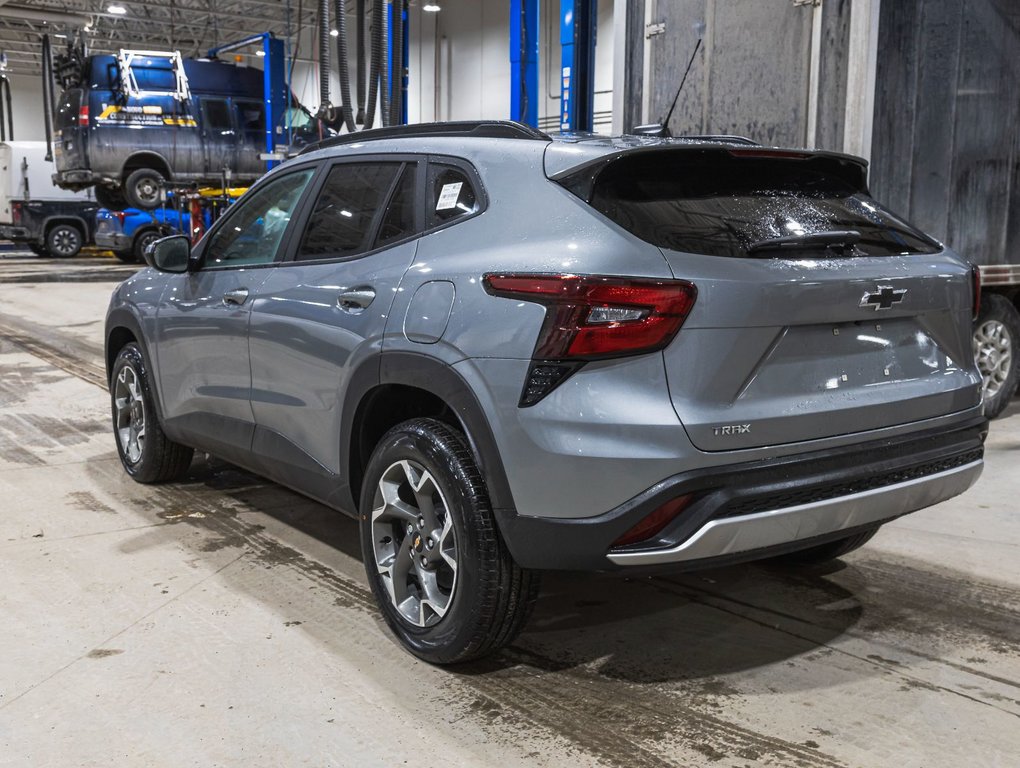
(578, 24)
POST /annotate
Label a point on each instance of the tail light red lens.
(653, 524)
(121, 215)
(16, 213)
(975, 284)
(83, 116)
(590, 317)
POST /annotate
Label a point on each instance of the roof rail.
(488, 129)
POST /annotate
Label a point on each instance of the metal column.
(524, 61)
(577, 37)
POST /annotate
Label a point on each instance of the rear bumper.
(9, 232)
(115, 241)
(754, 509)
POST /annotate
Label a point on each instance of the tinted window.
(252, 232)
(217, 116)
(719, 205)
(252, 119)
(451, 194)
(348, 211)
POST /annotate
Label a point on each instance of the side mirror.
(169, 254)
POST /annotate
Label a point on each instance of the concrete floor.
(225, 621)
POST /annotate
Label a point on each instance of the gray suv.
(504, 353)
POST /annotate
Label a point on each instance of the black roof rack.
(487, 129)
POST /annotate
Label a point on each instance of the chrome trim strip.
(780, 526)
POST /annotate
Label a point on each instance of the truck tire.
(142, 188)
(64, 241)
(996, 350)
(37, 249)
(446, 583)
(110, 198)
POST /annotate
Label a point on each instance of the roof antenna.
(661, 129)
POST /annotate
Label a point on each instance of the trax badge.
(732, 429)
(883, 298)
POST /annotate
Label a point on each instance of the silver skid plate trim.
(781, 526)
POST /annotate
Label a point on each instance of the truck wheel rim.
(65, 242)
(147, 190)
(993, 351)
(414, 543)
(130, 414)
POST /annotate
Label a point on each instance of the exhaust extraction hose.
(343, 67)
(47, 94)
(325, 108)
(360, 117)
(384, 69)
(373, 68)
(396, 87)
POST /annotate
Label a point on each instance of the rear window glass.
(720, 205)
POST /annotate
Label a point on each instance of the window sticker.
(448, 196)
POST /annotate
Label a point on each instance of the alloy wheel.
(64, 242)
(414, 543)
(130, 408)
(993, 351)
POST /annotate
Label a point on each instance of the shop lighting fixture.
(431, 8)
(334, 33)
(116, 10)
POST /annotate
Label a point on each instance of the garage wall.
(27, 104)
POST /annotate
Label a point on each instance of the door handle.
(355, 300)
(237, 297)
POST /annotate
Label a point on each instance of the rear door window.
(718, 204)
(362, 206)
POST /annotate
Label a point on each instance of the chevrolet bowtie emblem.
(883, 298)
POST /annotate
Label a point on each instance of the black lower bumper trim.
(739, 489)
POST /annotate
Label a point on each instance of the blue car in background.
(127, 233)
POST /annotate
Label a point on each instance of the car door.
(219, 137)
(322, 312)
(202, 321)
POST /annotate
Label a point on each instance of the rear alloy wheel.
(63, 241)
(145, 451)
(143, 188)
(143, 241)
(446, 583)
(996, 336)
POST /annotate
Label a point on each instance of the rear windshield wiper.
(835, 240)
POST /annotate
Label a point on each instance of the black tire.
(37, 249)
(128, 257)
(64, 241)
(491, 597)
(110, 198)
(823, 553)
(158, 458)
(142, 188)
(142, 241)
(997, 336)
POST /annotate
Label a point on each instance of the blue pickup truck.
(127, 233)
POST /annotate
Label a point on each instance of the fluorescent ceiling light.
(334, 33)
(431, 8)
(260, 53)
(116, 10)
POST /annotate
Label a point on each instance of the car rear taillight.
(83, 116)
(975, 286)
(120, 215)
(652, 524)
(16, 213)
(592, 317)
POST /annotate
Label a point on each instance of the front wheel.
(996, 335)
(143, 241)
(146, 453)
(446, 583)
